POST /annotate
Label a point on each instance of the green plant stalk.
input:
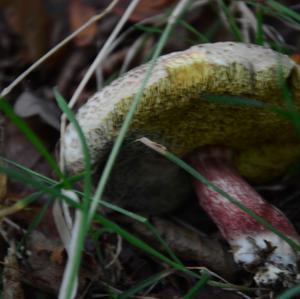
(81, 218)
(28, 171)
(19, 205)
(86, 153)
(124, 128)
(156, 254)
(74, 264)
(173, 158)
(139, 243)
(36, 221)
(202, 37)
(282, 9)
(290, 293)
(291, 107)
(49, 189)
(232, 23)
(143, 284)
(198, 286)
(35, 140)
(277, 10)
(259, 37)
(163, 242)
(290, 113)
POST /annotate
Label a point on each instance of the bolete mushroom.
(173, 112)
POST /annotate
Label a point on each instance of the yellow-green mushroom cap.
(174, 110)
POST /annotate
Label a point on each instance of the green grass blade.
(234, 201)
(130, 238)
(232, 22)
(290, 293)
(189, 169)
(201, 37)
(39, 185)
(233, 100)
(19, 205)
(163, 243)
(294, 115)
(21, 124)
(81, 219)
(35, 222)
(28, 171)
(86, 153)
(144, 284)
(127, 121)
(194, 291)
(290, 113)
(148, 29)
(277, 10)
(137, 242)
(284, 10)
(259, 36)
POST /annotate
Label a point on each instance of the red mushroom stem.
(255, 247)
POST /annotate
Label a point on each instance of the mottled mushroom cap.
(174, 112)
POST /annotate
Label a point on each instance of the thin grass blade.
(194, 291)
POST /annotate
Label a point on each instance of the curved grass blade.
(144, 284)
(80, 229)
(284, 10)
(35, 140)
(232, 22)
(189, 169)
(86, 153)
(290, 113)
(259, 35)
(202, 38)
(194, 291)
(156, 254)
(290, 293)
(39, 185)
(178, 10)
(35, 222)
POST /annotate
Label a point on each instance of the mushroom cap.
(173, 111)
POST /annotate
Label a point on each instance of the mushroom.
(174, 113)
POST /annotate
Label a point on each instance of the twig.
(68, 288)
(101, 55)
(92, 20)
(117, 253)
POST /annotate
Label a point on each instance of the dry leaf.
(145, 8)
(296, 58)
(29, 104)
(58, 255)
(80, 13)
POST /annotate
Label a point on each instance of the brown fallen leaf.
(145, 8)
(31, 21)
(29, 104)
(80, 13)
(58, 255)
(44, 271)
(296, 58)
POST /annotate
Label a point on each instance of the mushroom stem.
(259, 250)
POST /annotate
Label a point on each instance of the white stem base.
(272, 259)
